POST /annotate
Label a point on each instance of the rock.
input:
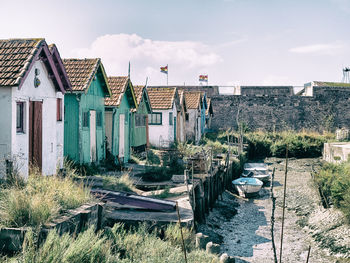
(213, 248)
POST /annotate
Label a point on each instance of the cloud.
(343, 5)
(318, 48)
(148, 55)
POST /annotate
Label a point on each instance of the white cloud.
(146, 56)
(318, 48)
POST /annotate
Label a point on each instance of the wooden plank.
(37, 145)
(30, 132)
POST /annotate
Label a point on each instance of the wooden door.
(121, 135)
(93, 136)
(35, 133)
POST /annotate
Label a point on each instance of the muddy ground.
(242, 226)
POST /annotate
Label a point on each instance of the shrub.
(152, 158)
(173, 235)
(123, 183)
(156, 174)
(333, 181)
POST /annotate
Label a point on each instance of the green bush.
(157, 174)
(152, 158)
(333, 181)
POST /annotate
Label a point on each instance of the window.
(155, 118)
(140, 120)
(171, 119)
(86, 119)
(99, 119)
(187, 116)
(20, 117)
(59, 109)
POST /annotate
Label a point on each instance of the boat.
(247, 185)
(256, 170)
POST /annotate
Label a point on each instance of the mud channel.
(242, 226)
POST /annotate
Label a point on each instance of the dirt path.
(247, 236)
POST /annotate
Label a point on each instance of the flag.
(203, 78)
(164, 69)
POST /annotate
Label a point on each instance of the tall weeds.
(39, 200)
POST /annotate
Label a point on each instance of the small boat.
(247, 185)
(256, 170)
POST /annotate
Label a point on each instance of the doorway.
(35, 134)
(93, 136)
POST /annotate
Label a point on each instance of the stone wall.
(327, 109)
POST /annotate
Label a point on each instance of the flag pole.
(167, 75)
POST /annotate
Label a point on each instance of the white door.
(109, 122)
(121, 135)
(93, 136)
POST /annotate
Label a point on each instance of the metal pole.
(273, 198)
(167, 75)
(182, 237)
(284, 201)
(308, 254)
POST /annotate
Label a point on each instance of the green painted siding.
(71, 126)
(77, 144)
(139, 133)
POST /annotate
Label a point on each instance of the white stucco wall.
(5, 127)
(193, 131)
(162, 135)
(52, 130)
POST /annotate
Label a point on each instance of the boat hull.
(247, 186)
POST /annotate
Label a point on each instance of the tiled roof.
(161, 98)
(138, 93)
(81, 71)
(193, 100)
(15, 58)
(118, 87)
(331, 84)
(207, 111)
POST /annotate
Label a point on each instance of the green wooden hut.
(139, 117)
(118, 117)
(84, 131)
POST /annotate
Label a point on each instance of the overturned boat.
(247, 185)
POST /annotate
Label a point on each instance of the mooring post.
(284, 201)
(308, 255)
(182, 237)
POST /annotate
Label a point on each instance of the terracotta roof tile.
(193, 100)
(81, 72)
(15, 58)
(118, 86)
(138, 93)
(161, 98)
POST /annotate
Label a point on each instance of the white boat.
(247, 185)
(256, 170)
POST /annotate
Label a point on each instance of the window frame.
(99, 119)
(59, 111)
(154, 115)
(140, 120)
(171, 118)
(86, 119)
(21, 116)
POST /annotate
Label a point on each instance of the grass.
(39, 200)
(123, 183)
(333, 181)
(113, 245)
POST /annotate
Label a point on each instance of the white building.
(193, 116)
(163, 121)
(32, 84)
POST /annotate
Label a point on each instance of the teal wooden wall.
(77, 144)
(71, 127)
(138, 137)
(124, 108)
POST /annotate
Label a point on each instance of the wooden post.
(284, 201)
(308, 255)
(273, 198)
(182, 237)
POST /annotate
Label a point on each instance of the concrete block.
(11, 239)
(178, 178)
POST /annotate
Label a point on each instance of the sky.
(235, 42)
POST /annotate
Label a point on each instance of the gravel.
(242, 226)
